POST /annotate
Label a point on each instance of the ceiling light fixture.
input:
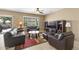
(39, 11)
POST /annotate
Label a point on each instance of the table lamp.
(20, 24)
(68, 26)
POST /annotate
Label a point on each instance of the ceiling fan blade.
(40, 12)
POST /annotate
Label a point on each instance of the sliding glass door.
(31, 21)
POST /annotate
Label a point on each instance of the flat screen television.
(52, 24)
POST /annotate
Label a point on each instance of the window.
(6, 21)
(31, 21)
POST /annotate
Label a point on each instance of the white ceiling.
(33, 10)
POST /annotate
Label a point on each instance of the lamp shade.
(68, 24)
(20, 23)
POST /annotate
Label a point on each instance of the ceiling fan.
(39, 11)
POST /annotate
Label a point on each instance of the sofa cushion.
(59, 36)
(67, 33)
(13, 31)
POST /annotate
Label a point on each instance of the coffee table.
(33, 34)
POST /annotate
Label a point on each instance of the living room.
(19, 19)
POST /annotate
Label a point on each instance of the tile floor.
(43, 46)
(46, 46)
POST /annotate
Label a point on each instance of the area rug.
(28, 43)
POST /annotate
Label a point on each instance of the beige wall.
(70, 14)
(17, 17)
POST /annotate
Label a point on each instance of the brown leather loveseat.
(63, 41)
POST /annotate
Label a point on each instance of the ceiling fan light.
(37, 12)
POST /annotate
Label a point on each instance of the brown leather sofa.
(64, 42)
(11, 41)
